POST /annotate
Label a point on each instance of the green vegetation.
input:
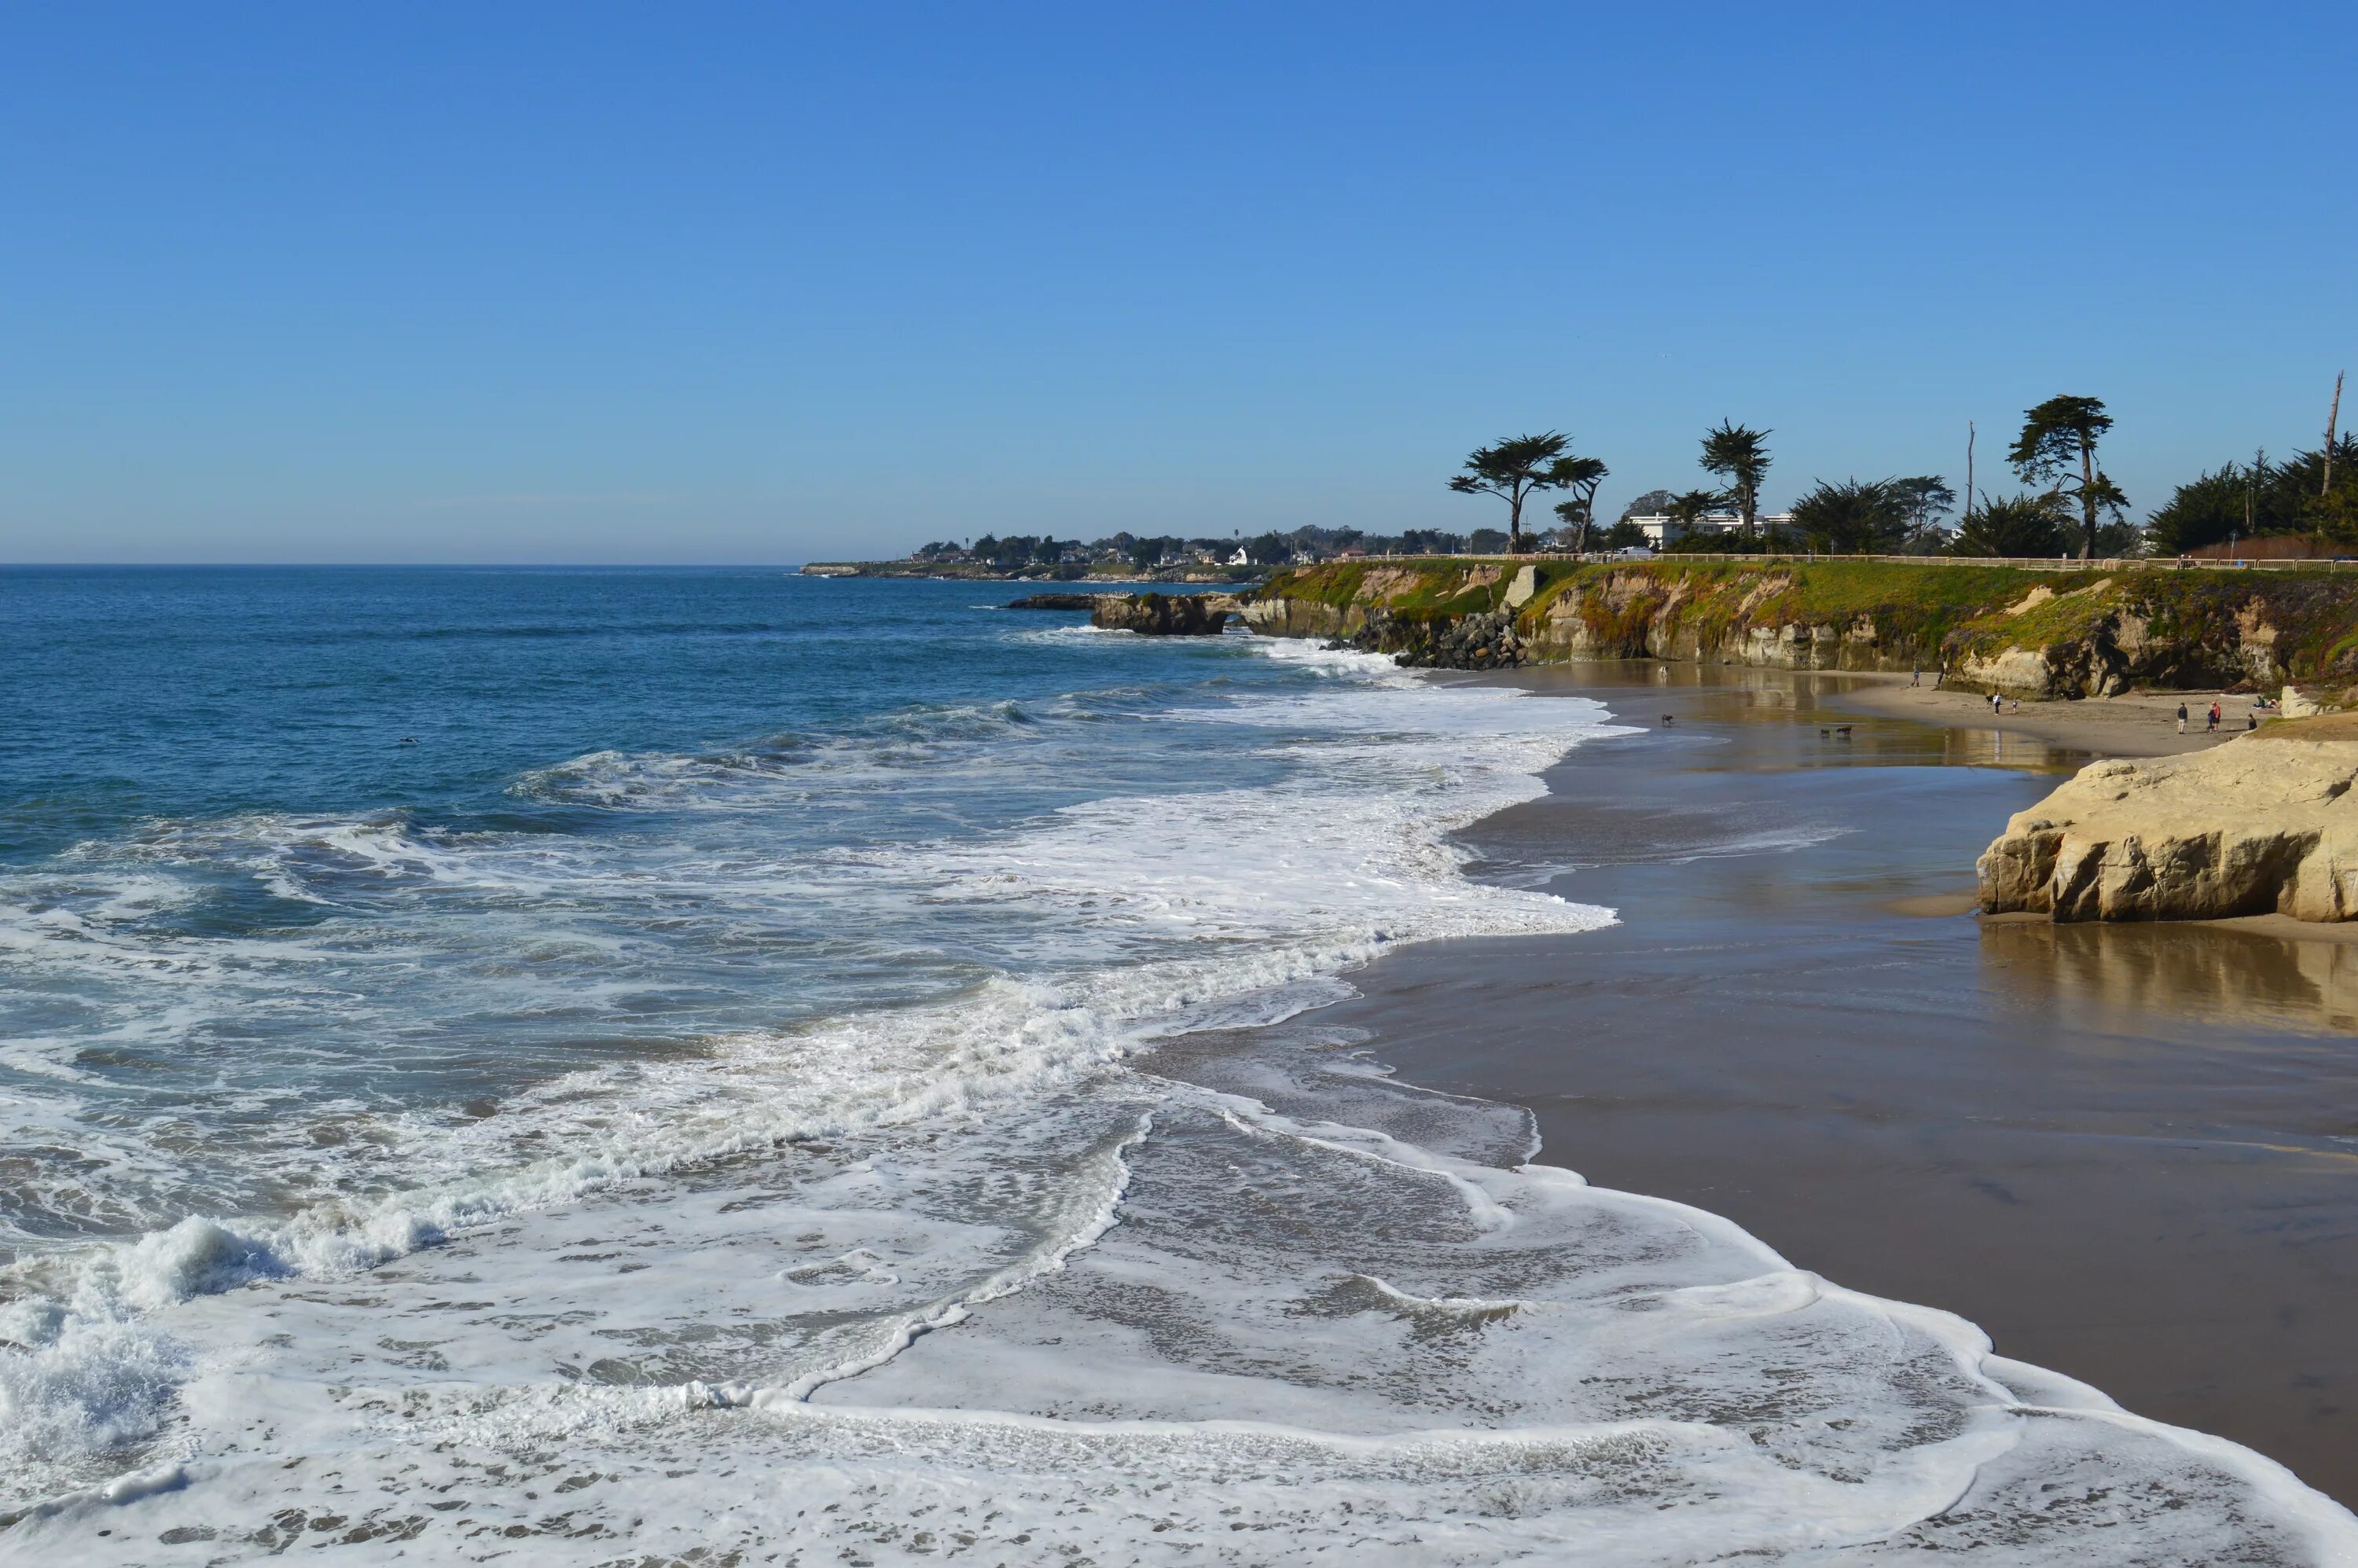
(2058, 445)
(2015, 525)
(1925, 499)
(1518, 468)
(1739, 455)
(1689, 506)
(1583, 475)
(2262, 499)
(1853, 518)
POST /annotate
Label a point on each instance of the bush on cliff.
(2015, 525)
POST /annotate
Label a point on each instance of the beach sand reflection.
(2105, 975)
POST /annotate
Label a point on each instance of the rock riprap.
(2266, 824)
(1472, 642)
(1162, 615)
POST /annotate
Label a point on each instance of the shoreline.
(2124, 1153)
(2134, 724)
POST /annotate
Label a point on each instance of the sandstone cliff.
(2266, 824)
(2024, 632)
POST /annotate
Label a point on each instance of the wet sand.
(2129, 1154)
(2134, 724)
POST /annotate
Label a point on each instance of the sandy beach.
(2129, 1154)
(2134, 724)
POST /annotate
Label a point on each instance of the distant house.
(1662, 529)
(1353, 553)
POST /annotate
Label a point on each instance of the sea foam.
(1079, 1248)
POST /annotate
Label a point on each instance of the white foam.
(954, 1273)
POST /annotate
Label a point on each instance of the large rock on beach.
(1163, 615)
(2266, 824)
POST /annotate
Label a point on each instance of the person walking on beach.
(2181, 719)
(1915, 675)
(1994, 705)
(2215, 718)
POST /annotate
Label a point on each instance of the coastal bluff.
(2065, 631)
(2264, 825)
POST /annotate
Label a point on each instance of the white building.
(1662, 529)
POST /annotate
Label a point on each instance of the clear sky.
(774, 282)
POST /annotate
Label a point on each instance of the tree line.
(1021, 552)
(2306, 494)
(2069, 503)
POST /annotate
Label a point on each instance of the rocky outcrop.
(1054, 601)
(1162, 615)
(2266, 824)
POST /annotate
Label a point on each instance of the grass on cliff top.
(1437, 587)
(1836, 589)
(1917, 601)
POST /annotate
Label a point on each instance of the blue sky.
(770, 282)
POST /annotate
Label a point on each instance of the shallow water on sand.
(2126, 1152)
(583, 1066)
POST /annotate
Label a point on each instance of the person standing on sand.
(2215, 718)
(1915, 675)
(1994, 699)
(2181, 719)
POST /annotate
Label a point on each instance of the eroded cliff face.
(1285, 617)
(2266, 824)
(2004, 629)
(1162, 615)
(1633, 613)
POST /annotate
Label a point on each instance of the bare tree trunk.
(2088, 496)
(2332, 419)
(1969, 473)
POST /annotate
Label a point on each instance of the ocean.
(601, 1067)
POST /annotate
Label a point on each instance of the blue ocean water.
(585, 1067)
(449, 816)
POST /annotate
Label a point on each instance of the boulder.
(1160, 614)
(2266, 824)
